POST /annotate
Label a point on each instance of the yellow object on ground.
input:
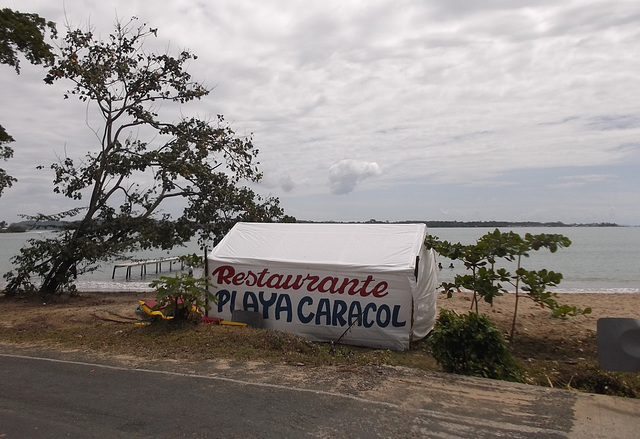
(226, 322)
(152, 312)
(144, 307)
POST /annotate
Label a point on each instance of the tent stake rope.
(333, 343)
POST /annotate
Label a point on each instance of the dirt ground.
(536, 323)
(535, 326)
(554, 352)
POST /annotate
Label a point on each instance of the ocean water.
(101, 279)
(599, 260)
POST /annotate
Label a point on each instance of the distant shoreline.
(472, 224)
(26, 226)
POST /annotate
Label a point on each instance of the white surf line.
(445, 417)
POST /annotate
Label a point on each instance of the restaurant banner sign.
(360, 305)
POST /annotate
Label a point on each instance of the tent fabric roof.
(376, 247)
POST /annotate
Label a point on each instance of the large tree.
(6, 152)
(140, 162)
(25, 33)
(21, 33)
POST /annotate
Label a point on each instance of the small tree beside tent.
(487, 280)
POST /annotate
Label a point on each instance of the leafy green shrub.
(183, 297)
(471, 345)
(593, 379)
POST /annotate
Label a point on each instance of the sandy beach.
(536, 321)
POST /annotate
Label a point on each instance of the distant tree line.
(491, 224)
(27, 225)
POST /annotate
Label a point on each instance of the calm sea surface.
(599, 260)
(99, 280)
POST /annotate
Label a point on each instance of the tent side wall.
(351, 299)
(424, 307)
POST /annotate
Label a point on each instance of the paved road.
(47, 395)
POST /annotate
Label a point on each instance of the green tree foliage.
(6, 152)
(21, 33)
(140, 163)
(25, 33)
(487, 281)
(471, 345)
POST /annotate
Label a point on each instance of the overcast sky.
(391, 110)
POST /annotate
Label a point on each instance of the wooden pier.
(143, 266)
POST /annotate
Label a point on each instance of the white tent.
(362, 284)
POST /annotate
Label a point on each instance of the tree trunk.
(58, 276)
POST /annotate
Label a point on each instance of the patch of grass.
(558, 360)
(584, 376)
(188, 342)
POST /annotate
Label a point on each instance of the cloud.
(614, 122)
(286, 183)
(575, 181)
(456, 98)
(346, 174)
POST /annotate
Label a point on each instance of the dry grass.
(554, 353)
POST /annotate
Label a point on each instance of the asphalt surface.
(46, 395)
